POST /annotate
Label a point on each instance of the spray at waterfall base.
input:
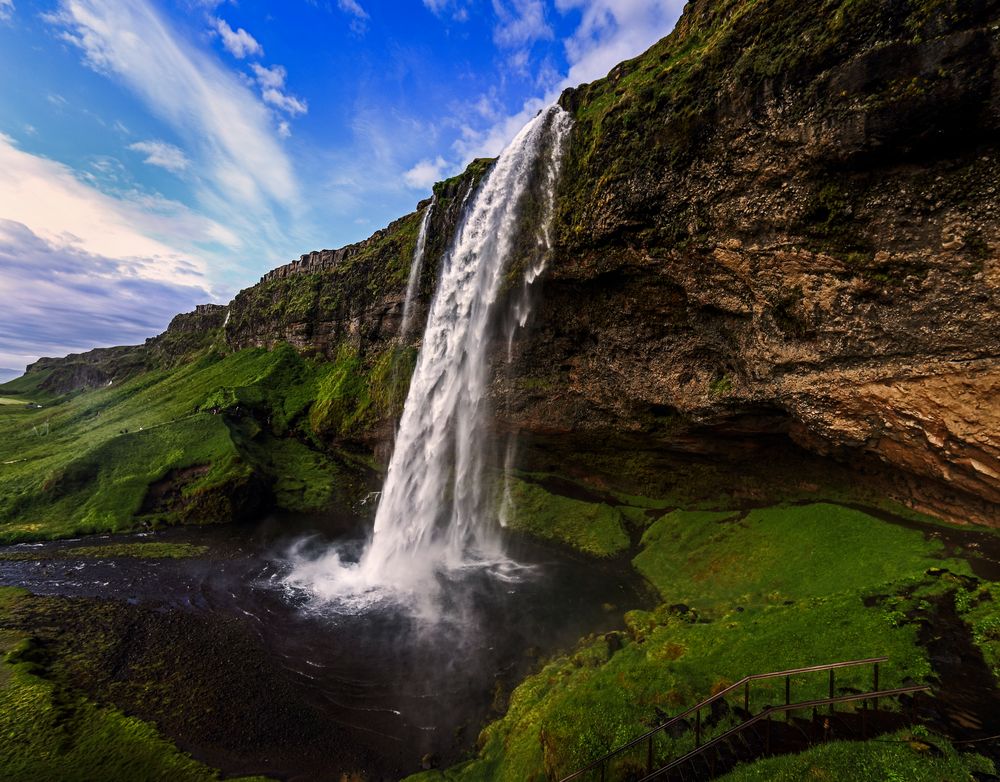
(439, 514)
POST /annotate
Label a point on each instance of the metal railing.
(787, 708)
(746, 682)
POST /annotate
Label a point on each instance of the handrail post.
(864, 719)
(875, 683)
(788, 697)
(649, 756)
(746, 697)
(697, 728)
(767, 736)
(831, 688)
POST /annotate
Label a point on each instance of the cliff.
(784, 216)
(352, 296)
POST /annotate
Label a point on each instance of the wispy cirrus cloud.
(520, 22)
(352, 7)
(162, 154)
(613, 30)
(231, 130)
(457, 10)
(80, 267)
(6, 10)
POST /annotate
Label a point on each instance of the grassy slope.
(896, 758)
(50, 732)
(735, 588)
(83, 462)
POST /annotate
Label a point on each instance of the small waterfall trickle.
(437, 511)
(416, 266)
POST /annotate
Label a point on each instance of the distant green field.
(84, 462)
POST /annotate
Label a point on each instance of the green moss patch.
(979, 607)
(900, 757)
(150, 550)
(737, 586)
(594, 528)
(771, 554)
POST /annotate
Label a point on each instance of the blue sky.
(155, 154)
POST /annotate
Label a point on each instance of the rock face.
(352, 296)
(808, 230)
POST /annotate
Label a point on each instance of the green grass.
(150, 550)
(84, 463)
(28, 386)
(593, 528)
(978, 606)
(706, 559)
(48, 731)
(6, 400)
(776, 588)
(900, 757)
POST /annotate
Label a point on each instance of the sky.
(157, 154)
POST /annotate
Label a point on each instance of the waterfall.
(415, 268)
(436, 512)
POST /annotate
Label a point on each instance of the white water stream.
(416, 266)
(437, 512)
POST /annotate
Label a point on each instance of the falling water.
(415, 268)
(436, 513)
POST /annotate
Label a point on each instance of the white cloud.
(55, 205)
(285, 102)
(162, 154)
(60, 299)
(238, 43)
(273, 77)
(272, 82)
(614, 30)
(352, 7)
(459, 8)
(241, 161)
(425, 173)
(6, 10)
(520, 23)
(609, 31)
(284, 129)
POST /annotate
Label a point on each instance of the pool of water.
(399, 688)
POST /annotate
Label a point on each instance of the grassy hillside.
(206, 441)
(745, 592)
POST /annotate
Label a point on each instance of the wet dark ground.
(244, 675)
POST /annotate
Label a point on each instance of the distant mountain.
(9, 374)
